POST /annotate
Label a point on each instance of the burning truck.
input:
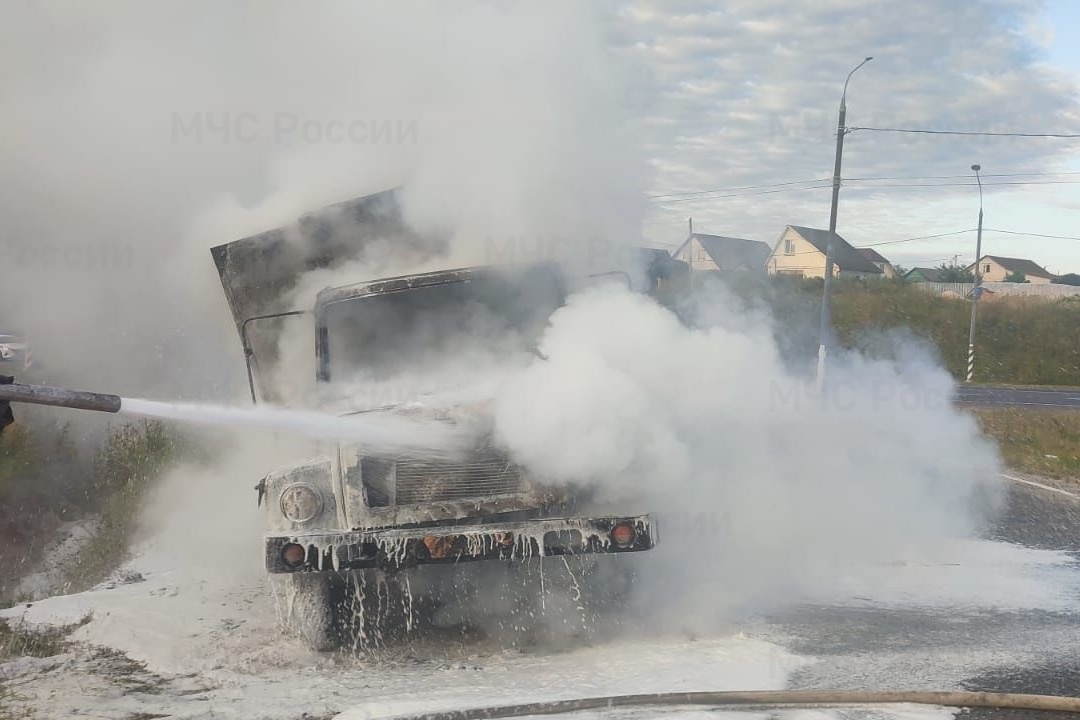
(350, 511)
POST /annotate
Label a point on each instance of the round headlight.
(300, 502)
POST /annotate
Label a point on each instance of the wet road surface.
(955, 647)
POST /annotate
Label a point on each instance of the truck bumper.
(396, 548)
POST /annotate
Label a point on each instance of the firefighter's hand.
(6, 415)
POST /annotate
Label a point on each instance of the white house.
(801, 251)
(722, 254)
(994, 268)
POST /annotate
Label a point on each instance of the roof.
(872, 255)
(1020, 265)
(844, 255)
(929, 274)
(731, 253)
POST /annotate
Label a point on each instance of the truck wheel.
(375, 610)
(312, 609)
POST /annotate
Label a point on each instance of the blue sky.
(1064, 48)
(998, 65)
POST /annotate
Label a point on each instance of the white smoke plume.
(765, 490)
(137, 136)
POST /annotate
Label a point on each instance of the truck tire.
(313, 608)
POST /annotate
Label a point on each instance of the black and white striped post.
(976, 289)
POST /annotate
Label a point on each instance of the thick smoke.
(137, 136)
(766, 491)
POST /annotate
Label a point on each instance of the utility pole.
(824, 330)
(690, 252)
(976, 289)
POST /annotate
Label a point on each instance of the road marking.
(1034, 484)
(1006, 403)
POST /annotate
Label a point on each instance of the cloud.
(756, 85)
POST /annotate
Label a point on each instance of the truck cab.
(420, 337)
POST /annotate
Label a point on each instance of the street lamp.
(840, 132)
(976, 289)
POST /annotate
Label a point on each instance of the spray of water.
(375, 430)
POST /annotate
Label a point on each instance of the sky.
(749, 99)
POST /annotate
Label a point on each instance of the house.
(878, 259)
(994, 268)
(801, 251)
(921, 274)
(722, 254)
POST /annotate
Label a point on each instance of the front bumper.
(394, 548)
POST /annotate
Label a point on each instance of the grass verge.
(1041, 442)
(134, 457)
(29, 641)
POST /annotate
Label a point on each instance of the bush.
(134, 457)
(1038, 441)
(1024, 341)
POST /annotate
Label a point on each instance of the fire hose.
(768, 700)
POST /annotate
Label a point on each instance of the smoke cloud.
(138, 136)
(765, 490)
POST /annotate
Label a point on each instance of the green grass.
(1040, 442)
(1019, 341)
(45, 480)
(29, 641)
(20, 457)
(1024, 341)
(134, 457)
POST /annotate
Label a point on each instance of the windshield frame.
(394, 285)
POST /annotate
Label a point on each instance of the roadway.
(999, 396)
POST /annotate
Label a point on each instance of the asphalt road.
(993, 396)
(1020, 650)
(1001, 613)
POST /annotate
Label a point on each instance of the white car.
(15, 350)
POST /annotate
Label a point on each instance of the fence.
(1043, 290)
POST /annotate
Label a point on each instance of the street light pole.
(840, 131)
(976, 289)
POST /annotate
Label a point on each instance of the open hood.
(259, 272)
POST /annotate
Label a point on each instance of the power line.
(921, 237)
(738, 187)
(966, 132)
(971, 184)
(746, 194)
(1038, 235)
(785, 187)
(963, 177)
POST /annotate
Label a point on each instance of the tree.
(1015, 276)
(1067, 279)
(955, 274)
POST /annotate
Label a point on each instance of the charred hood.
(259, 272)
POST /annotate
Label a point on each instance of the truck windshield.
(459, 325)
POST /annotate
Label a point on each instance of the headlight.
(300, 502)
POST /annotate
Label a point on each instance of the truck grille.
(421, 481)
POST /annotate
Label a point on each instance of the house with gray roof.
(878, 259)
(718, 253)
(995, 268)
(801, 251)
(922, 274)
